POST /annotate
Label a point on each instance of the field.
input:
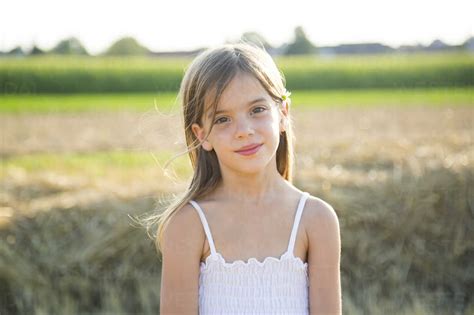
(396, 165)
(167, 101)
(59, 74)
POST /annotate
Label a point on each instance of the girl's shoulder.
(320, 220)
(317, 208)
(313, 205)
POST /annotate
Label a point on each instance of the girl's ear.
(199, 133)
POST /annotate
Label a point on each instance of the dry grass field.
(400, 179)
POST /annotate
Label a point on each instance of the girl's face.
(246, 115)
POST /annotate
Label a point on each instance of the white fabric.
(272, 286)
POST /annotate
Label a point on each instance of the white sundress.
(273, 286)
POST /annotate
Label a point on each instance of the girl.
(242, 239)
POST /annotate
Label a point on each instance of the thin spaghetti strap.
(205, 225)
(294, 231)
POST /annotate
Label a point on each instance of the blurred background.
(383, 111)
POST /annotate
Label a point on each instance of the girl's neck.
(256, 190)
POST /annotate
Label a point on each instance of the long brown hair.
(206, 78)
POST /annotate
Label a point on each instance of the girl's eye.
(263, 109)
(219, 120)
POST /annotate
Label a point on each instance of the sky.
(186, 25)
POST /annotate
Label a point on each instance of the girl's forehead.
(243, 84)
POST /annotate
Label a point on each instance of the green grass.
(376, 97)
(168, 101)
(85, 102)
(95, 164)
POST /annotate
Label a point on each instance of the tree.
(69, 46)
(17, 51)
(36, 51)
(127, 46)
(301, 44)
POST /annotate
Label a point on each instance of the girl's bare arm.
(324, 258)
(182, 245)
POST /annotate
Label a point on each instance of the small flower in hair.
(286, 99)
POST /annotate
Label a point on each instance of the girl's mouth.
(249, 151)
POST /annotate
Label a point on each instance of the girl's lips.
(249, 151)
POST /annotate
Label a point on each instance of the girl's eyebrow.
(250, 103)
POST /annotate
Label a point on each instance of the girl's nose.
(244, 128)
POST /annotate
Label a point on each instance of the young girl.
(242, 239)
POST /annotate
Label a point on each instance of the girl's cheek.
(221, 132)
(267, 121)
